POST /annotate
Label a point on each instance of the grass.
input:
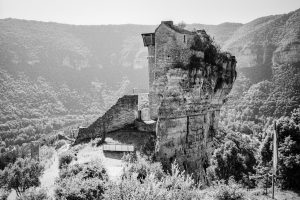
(258, 194)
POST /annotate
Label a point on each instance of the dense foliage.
(31, 109)
(289, 151)
(234, 158)
(142, 166)
(51, 78)
(158, 185)
(21, 175)
(82, 181)
(4, 194)
(34, 193)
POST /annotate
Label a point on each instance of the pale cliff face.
(263, 44)
(287, 54)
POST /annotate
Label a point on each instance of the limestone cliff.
(189, 79)
(189, 82)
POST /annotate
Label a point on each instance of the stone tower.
(186, 91)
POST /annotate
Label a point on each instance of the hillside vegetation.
(57, 76)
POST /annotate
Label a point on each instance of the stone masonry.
(128, 110)
(123, 113)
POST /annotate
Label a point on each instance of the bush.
(94, 169)
(4, 194)
(172, 186)
(66, 158)
(58, 144)
(82, 181)
(34, 194)
(228, 192)
(140, 165)
(79, 188)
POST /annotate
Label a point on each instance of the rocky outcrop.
(189, 82)
(188, 118)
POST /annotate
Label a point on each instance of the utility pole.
(275, 157)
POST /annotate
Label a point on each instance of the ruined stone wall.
(123, 113)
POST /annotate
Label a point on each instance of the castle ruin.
(189, 81)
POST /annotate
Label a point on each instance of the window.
(184, 38)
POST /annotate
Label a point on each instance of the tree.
(181, 24)
(21, 175)
(234, 158)
(266, 150)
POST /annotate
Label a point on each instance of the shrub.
(228, 192)
(79, 188)
(94, 169)
(66, 158)
(34, 194)
(197, 44)
(4, 194)
(171, 186)
(82, 181)
(140, 165)
(77, 148)
(212, 54)
(50, 140)
(58, 144)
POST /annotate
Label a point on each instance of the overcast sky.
(144, 11)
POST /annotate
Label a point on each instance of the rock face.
(187, 89)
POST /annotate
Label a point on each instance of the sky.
(96, 12)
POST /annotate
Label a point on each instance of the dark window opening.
(184, 38)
